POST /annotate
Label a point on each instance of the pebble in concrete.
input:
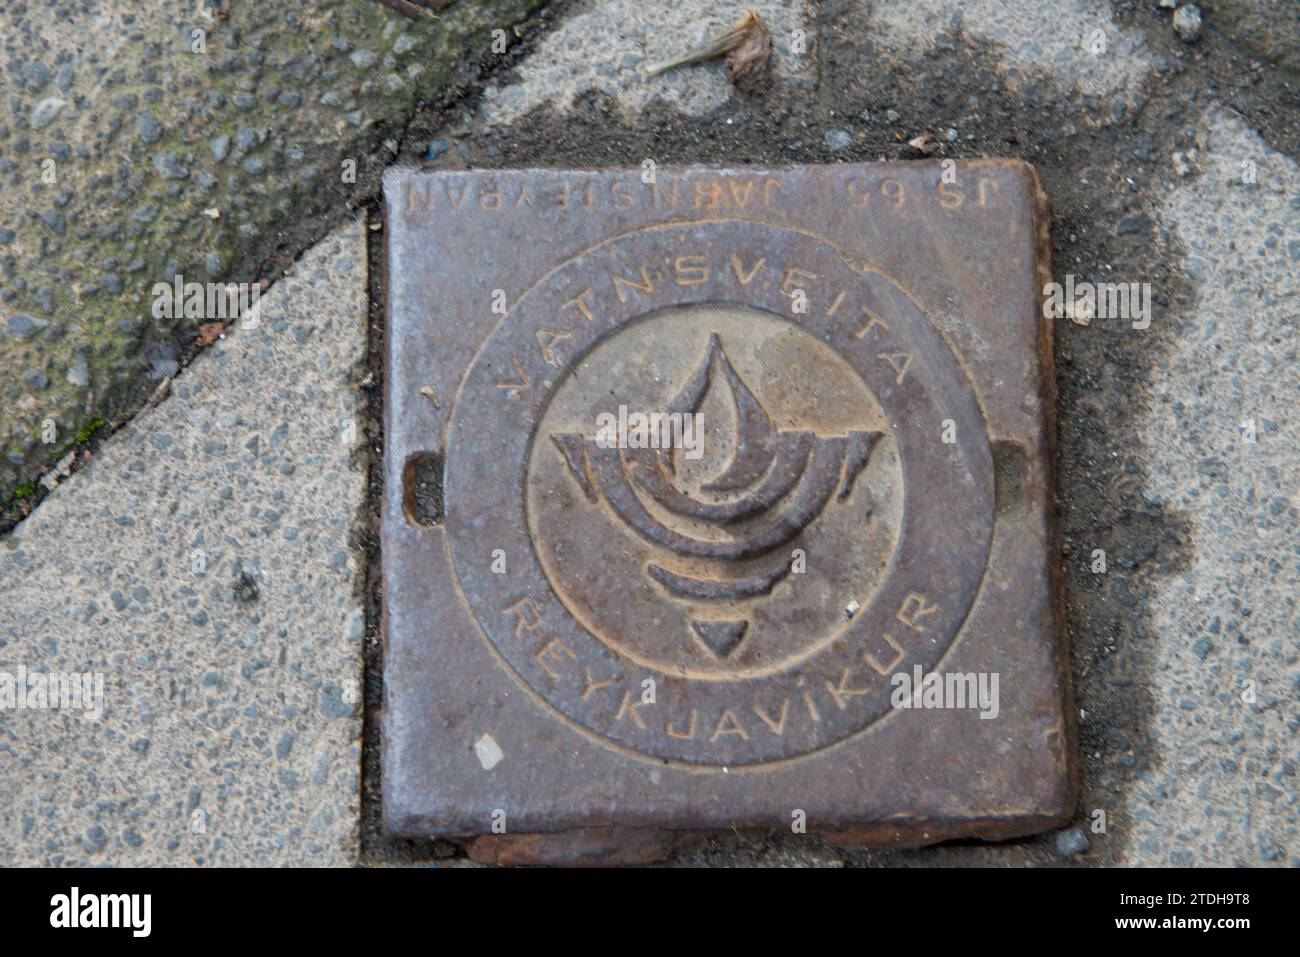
(200, 562)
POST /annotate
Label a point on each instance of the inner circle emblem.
(744, 594)
(740, 447)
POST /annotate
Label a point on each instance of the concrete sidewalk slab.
(1073, 41)
(216, 140)
(1220, 439)
(200, 561)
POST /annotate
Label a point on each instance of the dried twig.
(408, 8)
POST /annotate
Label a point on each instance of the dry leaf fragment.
(748, 49)
(927, 144)
(209, 333)
(215, 14)
(749, 65)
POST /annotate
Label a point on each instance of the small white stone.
(45, 112)
(1080, 311)
(489, 753)
(1187, 23)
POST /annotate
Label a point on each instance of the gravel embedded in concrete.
(201, 562)
(1221, 439)
(1075, 43)
(123, 122)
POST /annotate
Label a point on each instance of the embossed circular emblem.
(774, 528)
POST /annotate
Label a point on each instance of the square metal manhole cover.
(721, 500)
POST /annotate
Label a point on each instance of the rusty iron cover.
(593, 632)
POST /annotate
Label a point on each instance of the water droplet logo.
(774, 485)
